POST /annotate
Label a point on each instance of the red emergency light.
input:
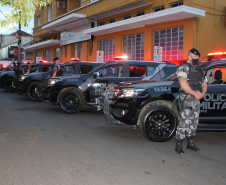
(217, 53)
(74, 59)
(117, 90)
(43, 61)
(121, 57)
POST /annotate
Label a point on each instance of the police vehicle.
(152, 105)
(29, 81)
(32, 84)
(8, 78)
(71, 93)
(67, 69)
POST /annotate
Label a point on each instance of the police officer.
(193, 88)
(56, 61)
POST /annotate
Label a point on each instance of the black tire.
(8, 86)
(71, 101)
(31, 92)
(158, 123)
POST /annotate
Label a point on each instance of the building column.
(148, 44)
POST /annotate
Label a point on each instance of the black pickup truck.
(8, 78)
(71, 93)
(152, 105)
(31, 84)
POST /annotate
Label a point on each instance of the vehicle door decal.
(218, 102)
(87, 83)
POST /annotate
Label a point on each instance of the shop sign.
(5, 52)
(73, 36)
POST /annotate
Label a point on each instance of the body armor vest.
(195, 77)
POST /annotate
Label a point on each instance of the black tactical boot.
(179, 147)
(191, 145)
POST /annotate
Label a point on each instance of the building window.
(39, 20)
(126, 17)
(112, 20)
(58, 53)
(133, 46)
(171, 40)
(50, 12)
(108, 46)
(48, 55)
(159, 8)
(38, 56)
(140, 13)
(102, 23)
(177, 4)
(78, 50)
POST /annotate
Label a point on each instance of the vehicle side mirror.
(96, 75)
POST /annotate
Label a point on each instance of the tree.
(22, 11)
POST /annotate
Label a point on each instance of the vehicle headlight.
(53, 81)
(131, 93)
(23, 77)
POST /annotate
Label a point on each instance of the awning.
(43, 44)
(68, 22)
(171, 14)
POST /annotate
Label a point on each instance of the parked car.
(152, 105)
(71, 93)
(8, 78)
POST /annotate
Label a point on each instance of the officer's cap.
(56, 58)
(195, 51)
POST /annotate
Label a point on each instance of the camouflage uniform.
(189, 116)
(190, 109)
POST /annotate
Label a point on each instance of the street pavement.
(42, 145)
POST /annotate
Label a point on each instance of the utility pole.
(19, 43)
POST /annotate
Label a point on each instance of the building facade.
(9, 46)
(99, 30)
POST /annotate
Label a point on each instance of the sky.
(6, 30)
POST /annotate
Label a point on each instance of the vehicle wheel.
(71, 101)
(158, 123)
(31, 91)
(9, 86)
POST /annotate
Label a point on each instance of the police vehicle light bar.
(121, 57)
(43, 61)
(217, 53)
(74, 59)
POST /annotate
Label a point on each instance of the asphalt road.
(42, 145)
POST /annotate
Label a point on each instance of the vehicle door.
(214, 104)
(108, 75)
